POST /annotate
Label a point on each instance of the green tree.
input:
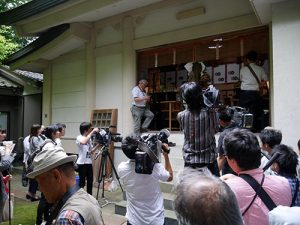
(9, 41)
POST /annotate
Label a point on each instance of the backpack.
(33, 155)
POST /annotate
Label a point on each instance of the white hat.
(49, 159)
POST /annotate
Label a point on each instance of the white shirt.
(58, 142)
(144, 197)
(138, 93)
(26, 146)
(248, 81)
(84, 151)
(284, 215)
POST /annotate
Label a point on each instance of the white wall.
(68, 98)
(164, 19)
(286, 67)
(109, 84)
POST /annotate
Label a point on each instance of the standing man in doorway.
(251, 77)
(140, 108)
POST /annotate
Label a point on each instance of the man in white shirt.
(144, 197)
(249, 96)
(140, 108)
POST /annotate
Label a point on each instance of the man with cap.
(54, 172)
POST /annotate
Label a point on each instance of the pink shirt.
(277, 188)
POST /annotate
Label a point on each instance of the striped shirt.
(69, 217)
(199, 130)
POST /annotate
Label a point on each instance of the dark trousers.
(212, 167)
(33, 186)
(42, 210)
(252, 101)
(86, 173)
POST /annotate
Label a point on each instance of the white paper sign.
(219, 74)
(233, 71)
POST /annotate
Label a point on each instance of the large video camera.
(241, 117)
(149, 151)
(104, 137)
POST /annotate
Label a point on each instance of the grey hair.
(203, 199)
(143, 81)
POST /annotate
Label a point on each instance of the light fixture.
(215, 46)
(190, 13)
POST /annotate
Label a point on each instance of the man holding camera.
(140, 109)
(144, 197)
(85, 152)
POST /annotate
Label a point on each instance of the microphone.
(272, 160)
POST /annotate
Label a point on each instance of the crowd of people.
(239, 179)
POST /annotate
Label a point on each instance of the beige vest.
(86, 205)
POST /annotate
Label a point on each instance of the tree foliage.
(9, 41)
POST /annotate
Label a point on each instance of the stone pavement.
(107, 211)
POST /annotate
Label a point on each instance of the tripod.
(102, 171)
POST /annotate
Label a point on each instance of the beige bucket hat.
(49, 159)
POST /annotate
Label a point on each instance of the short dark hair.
(225, 115)
(129, 146)
(84, 126)
(34, 130)
(252, 56)
(192, 95)
(287, 160)
(242, 146)
(298, 144)
(270, 136)
(50, 130)
(61, 126)
(202, 199)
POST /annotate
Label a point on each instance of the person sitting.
(144, 197)
(243, 155)
(285, 165)
(55, 174)
(203, 199)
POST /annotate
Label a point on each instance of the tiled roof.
(27, 74)
(30, 75)
(27, 10)
(7, 83)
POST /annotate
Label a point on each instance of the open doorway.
(223, 56)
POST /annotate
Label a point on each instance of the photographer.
(144, 197)
(85, 151)
(199, 124)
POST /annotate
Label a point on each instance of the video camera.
(104, 137)
(241, 117)
(149, 150)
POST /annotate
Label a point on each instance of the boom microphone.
(272, 160)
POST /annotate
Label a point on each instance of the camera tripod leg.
(101, 172)
(115, 171)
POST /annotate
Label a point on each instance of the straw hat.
(49, 159)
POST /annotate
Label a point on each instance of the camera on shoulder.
(148, 151)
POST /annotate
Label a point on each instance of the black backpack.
(33, 155)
